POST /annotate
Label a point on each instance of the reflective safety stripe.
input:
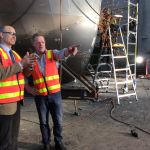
(4, 54)
(46, 78)
(10, 83)
(52, 77)
(11, 95)
(54, 87)
(21, 81)
(49, 88)
(49, 54)
(39, 81)
(17, 55)
(43, 90)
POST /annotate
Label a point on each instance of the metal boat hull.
(64, 22)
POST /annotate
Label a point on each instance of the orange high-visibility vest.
(49, 83)
(11, 88)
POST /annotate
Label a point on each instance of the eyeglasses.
(10, 33)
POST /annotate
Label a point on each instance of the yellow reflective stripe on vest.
(54, 87)
(39, 81)
(4, 54)
(10, 83)
(49, 54)
(46, 78)
(43, 90)
(11, 95)
(52, 77)
(17, 55)
(49, 88)
(21, 81)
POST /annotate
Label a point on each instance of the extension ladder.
(131, 43)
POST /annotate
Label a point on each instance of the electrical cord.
(92, 114)
(117, 120)
(92, 7)
(24, 13)
(27, 120)
(111, 101)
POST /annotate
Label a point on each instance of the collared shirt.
(7, 49)
(58, 55)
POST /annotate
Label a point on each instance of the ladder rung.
(120, 56)
(101, 64)
(133, 4)
(131, 32)
(122, 69)
(131, 64)
(106, 55)
(125, 95)
(132, 43)
(133, 74)
(103, 79)
(132, 18)
(105, 71)
(118, 45)
(124, 82)
(103, 86)
(131, 54)
(100, 80)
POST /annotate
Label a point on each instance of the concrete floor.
(94, 129)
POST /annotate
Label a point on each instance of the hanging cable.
(92, 7)
(26, 10)
(83, 12)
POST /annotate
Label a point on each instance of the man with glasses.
(12, 69)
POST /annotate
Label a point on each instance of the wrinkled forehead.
(39, 39)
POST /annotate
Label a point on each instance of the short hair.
(36, 35)
(2, 28)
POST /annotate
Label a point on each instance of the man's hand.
(73, 49)
(28, 60)
(31, 90)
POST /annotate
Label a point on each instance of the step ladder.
(121, 66)
(131, 41)
(103, 71)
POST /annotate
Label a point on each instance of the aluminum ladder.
(121, 65)
(131, 42)
(103, 70)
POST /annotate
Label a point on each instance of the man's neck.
(40, 54)
(6, 45)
